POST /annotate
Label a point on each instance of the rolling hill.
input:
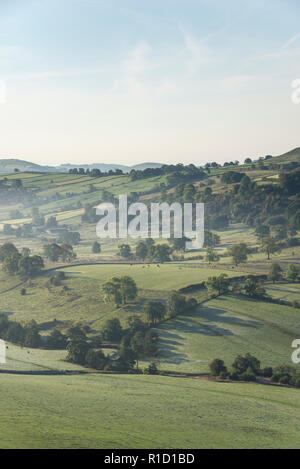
(289, 157)
(10, 164)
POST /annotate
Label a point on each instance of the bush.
(285, 379)
(297, 383)
(234, 376)
(224, 375)
(61, 275)
(151, 370)
(275, 378)
(248, 376)
(267, 372)
(217, 367)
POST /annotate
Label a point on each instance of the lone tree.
(219, 284)
(275, 273)
(155, 311)
(211, 255)
(141, 250)
(125, 251)
(137, 345)
(262, 231)
(217, 367)
(112, 330)
(96, 248)
(238, 253)
(6, 250)
(254, 287)
(269, 246)
(176, 304)
(293, 272)
(120, 289)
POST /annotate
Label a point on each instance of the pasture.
(166, 277)
(226, 327)
(107, 411)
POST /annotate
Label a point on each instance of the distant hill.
(291, 156)
(9, 165)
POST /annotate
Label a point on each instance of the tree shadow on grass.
(220, 315)
(216, 323)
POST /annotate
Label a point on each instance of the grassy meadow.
(100, 411)
(226, 327)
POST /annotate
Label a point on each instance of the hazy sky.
(129, 81)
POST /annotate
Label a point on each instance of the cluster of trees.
(82, 351)
(292, 274)
(252, 203)
(55, 252)
(24, 231)
(277, 229)
(239, 252)
(95, 172)
(219, 283)
(69, 237)
(137, 341)
(244, 368)
(253, 286)
(148, 250)
(22, 263)
(14, 332)
(13, 192)
(175, 173)
(248, 368)
(120, 290)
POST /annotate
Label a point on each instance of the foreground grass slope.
(145, 412)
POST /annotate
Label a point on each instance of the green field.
(226, 327)
(145, 412)
(150, 277)
(285, 291)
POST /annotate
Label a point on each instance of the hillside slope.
(289, 157)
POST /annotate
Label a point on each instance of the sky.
(130, 81)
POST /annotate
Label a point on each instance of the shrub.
(151, 370)
(285, 379)
(248, 376)
(275, 378)
(297, 383)
(224, 374)
(234, 376)
(267, 372)
(217, 367)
